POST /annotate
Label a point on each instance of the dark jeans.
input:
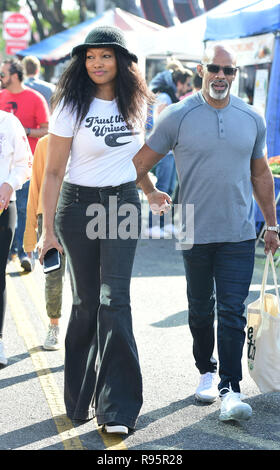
(21, 202)
(102, 368)
(7, 230)
(230, 266)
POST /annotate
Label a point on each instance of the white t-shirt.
(102, 147)
(15, 154)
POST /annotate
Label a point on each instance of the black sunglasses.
(212, 68)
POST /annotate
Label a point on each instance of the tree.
(47, 15)
(49, 18)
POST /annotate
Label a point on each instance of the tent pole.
(100, 7)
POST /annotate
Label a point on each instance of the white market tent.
(186, 39)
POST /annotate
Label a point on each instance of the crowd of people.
(82, 147)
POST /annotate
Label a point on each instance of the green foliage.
(275, 168)
(72, 17)
(9, 5)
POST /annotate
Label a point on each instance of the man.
(31, 66)
(219, 147)
(31, 108)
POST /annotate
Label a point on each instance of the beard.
(218, 94)
(5, 85)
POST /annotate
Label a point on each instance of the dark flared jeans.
(219, 274)
(99, 228)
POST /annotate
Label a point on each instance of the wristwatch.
(273, 228)
(28, 130)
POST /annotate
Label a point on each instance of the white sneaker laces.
(52, 333)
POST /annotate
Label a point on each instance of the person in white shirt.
(96, 128)
(16, 167)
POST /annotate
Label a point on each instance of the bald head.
(216, 51)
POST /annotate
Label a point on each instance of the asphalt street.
(32, 414)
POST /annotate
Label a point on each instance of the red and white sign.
(13, 46)
(15, 26)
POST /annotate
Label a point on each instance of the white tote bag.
(263, 335)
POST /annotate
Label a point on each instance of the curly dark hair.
(77, 90)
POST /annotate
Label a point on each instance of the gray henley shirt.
(213, 149)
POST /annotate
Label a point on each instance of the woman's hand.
(160, 202)
(6, 192)
(46, 242)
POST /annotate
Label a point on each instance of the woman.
(15, 165)
(100, 106)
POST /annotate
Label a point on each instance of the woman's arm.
(57, 157)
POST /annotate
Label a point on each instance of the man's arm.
(144, 160)
(263, 188)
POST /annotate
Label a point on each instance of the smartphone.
(51, 261)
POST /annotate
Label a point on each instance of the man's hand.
(160, 202)
(271, 242)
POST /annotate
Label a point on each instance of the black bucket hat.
(105, 36)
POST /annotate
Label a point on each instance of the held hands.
(160, 202)
(271, 242)
(46, 242)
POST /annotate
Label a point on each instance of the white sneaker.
(3, 359)
(233, 408)
(115, 429)
(207, 391)
(52, 340)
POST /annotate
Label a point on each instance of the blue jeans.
(102, 371)
(219, 273)
(166, 180)
(21, 202)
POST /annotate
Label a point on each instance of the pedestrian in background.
(31, 65)
(15, 165)
(33, 230)
(219, 147)
(31, 108)
(99, 116)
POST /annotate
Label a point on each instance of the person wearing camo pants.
(33, 229)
